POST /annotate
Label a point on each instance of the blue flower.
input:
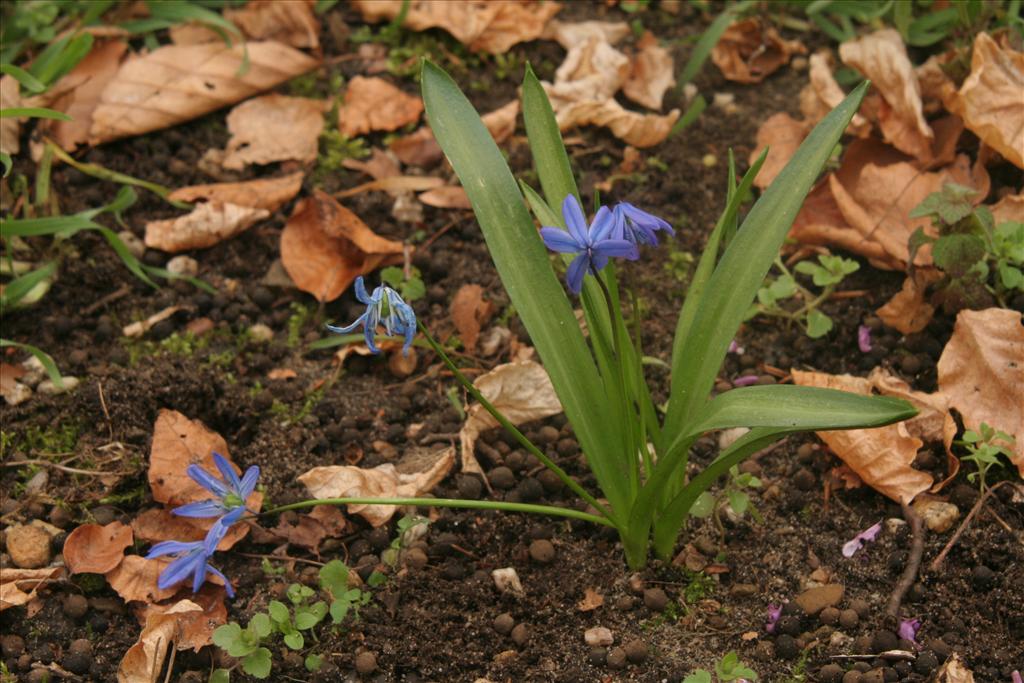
(594, 244)
(193, 558)
(385, 306)
(638, 226)
(230, 491)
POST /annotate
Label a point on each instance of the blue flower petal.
(604, 223)
(227, 472)
(199, 572)
(249, 482)
(179, 569)
(348, 328)
(574, 219)
(617, 248)
(199, 509)
(361, 291)
(559, 240)
(577, 269)
(227, 584)
(171, 548)
(207, 481)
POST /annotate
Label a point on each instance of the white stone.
(260, 333)
(48, 388)
(938, 516)
(185, 266)
(34, 371)
(18, 393)
(507, 580)
(723, 100)
(599, 636)
(134, 243)
(729, 436)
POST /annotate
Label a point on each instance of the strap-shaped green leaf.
(523, 265)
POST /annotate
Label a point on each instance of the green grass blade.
(743, 267)
(33, 112)
(15, 290)
(27, 80)
(707, 42)
(56, 225)
(5, 161)
(44, 358)
(691, 114)
(522, 263)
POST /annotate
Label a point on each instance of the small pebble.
(804, 479)
(77, 662)
(861, 607)
(625, 603)
(873, 676)
(75, 606)
(981, 576)
(185, 266)
(59, 517)
(547, 434)
(366, 663)
(884, 640)
(852, 676)
(655, 599)
(849, 618)
(415, 558)
(530, 490)
(12, 646)
(48, 388)
(599, 636)
(502, 478)
(520, 635)
(617, 658)
(550, 481)
(830, 673)
(260, 333)
(597, 656)
(786, 647)
(542, 551)
(28, 546)
(504, 623)
(926, 662)
(470, 486)
(636, 651)
(829, 616)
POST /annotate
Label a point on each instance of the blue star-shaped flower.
(193, 558)
(230, 492)
(594, 244)
(385, 306)
(637, 226)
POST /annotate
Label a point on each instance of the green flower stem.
(549, 510)
(514, 431)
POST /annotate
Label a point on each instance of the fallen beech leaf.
(493, 26)
(981, 370)
(521, 390)
(881, 457)
(196, 628)
(81, 90)
(18, 586)
(399, 185)
(823, 94)
(159, 524)
(176, 83)
(448, 197)
(1009, 208)
(470, 312)
(139, 328)
(273, 128)
(324, 247)
(144, 661)
(292, 23)
(882, 57)
(208, 224)
(269, 194)
(417, 473)
(748, 51)
(782, 134)
(136, 579)
(639, 130)
(10, 127)
(421, 149)
(380, 165)
(908, 311)
(954, 671)
(374, 104)
(96, 549)
(651, 73)
(591, 600)
(989, 101)
(572, 33)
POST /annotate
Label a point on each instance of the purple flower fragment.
(637, 226)
(593, 244)
(1015, 677)
(864, 338)
(193, 558)
(851, 547)
(908, 630)
(230, 492)
(384, 307)
(774, 612)
(736, 348)
(745, 380)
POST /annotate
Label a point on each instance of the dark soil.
(436, 622)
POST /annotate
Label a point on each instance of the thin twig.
(106, 413)
(937, 562)
(62, 468)
(120, 292)
(913, 561)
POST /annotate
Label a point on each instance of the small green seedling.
(735, 494)
(409, 285)
(985, 451)
(410, 529)
(827, 274)
(245, 644)
(728, 668)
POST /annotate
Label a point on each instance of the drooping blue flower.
(638, 226)
(230, 492)
(385, 306)
(594, 244)
(193, 558)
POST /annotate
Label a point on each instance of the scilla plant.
(638, 454)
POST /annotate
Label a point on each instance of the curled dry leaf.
(989, 101)
(176, 83)
(493, 26)
(96, 549)
(144, 661)
(908, 311)
(421, 149)
(207, 225)
(196, 628)
(782, 134)
(823, 94)
(159, 524)
(882, 58)
(881, 457)
(273, 128)
(981, 370)
(1009, 208)
(954, 671)
(324, 247)
(470, 312)
(521, 390)
(269, 194)
(136, 579)
(417, 473)
(447, 197)
(591, 600)
(650, 74)
(380, 165)
(749, 51)
(292, 23)
(374, 104)
(18, 586)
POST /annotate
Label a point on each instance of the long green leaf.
(549, 155)
(522, 263)
(27, 80)
(745, 263)
(44, 358)
(32, 112)
(15, 290)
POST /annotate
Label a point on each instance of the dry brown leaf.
(10, 128)
(521, 390)
(139, 328)
(421, 149)
(591, 600)
(982, 371)
(651, 73)
(470, 312)
(417, 473)
(937, 89)
(954, 671)
(989, 101)
(136, 579)
(18, 586)
(292, 23)
(9, 375)
(568, 34)
(207, 225)
(144, 661)
(823, 94)
(196, 628)
(96, 549)
(882, 456)
(177, 83)
(782, 134)
(269, 194)
(882, 57)
(273, 128)
(448, 197)
(399, 185)
(749, 51)
(1009, 208)
(159, 524)
(380, 165)
(639, 130)
(324, 247)
(908, 311)
(493, 26)
(374, 104)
